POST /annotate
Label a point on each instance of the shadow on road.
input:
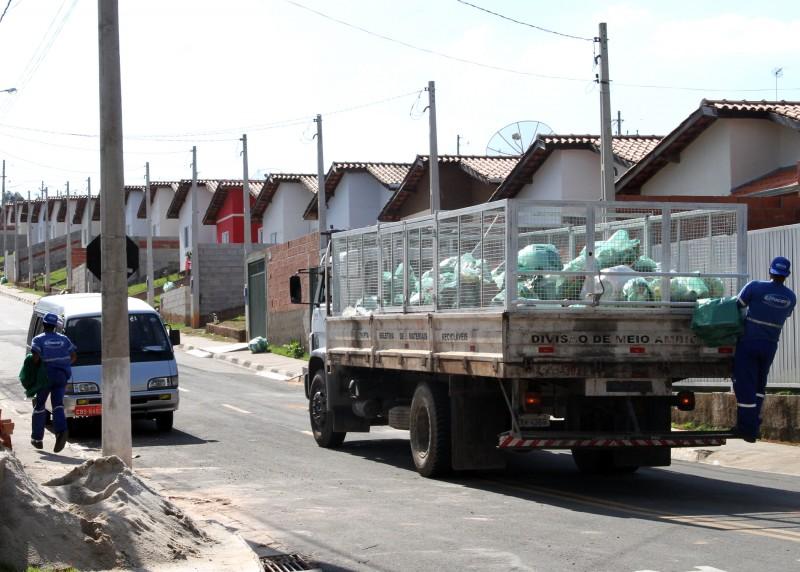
(716, 498)
(87, 433)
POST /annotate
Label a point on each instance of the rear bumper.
(567, 440)
(142, 402)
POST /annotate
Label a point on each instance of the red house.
(226, 211)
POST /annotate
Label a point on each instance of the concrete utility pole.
(248, 225)
(606, 150)
(115, 346)
(68, 222)
(435, 199)
(30, 241)
(150, 277)
(322, 218)
(195, 278)
(87, 222)
(5, 252)
(46, 240)
(16, 241)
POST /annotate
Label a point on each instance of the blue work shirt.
(769, 304)
(54, 350)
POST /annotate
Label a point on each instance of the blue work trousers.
(750, 370)
(56, 393)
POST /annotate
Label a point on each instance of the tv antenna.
(515, 138)
(777, 72)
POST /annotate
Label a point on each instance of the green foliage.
(135, 289)
(294, 349)
(695, 426)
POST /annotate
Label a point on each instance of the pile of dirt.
(98, 516)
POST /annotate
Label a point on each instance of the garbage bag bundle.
(645, 264)
(168, 286)
(716, 287)
(535, 257)
(681, 288)
(569, 287)
(718, 321)
(3, 280)
(609, 285)
(258, 345)
(637, 290)
(526, 290)
(618, 249)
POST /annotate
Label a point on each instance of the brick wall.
(287, 321)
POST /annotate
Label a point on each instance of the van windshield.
(148, 340)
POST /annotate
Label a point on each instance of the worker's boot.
(61, 440)
(37, 443)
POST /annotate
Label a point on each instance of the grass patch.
(135, 289)
(291, 350)
(695, 426)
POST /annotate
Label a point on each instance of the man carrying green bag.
(718, 321)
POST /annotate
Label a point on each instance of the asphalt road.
(241, 453)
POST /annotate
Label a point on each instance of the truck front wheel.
(429, 427)
(321, 421)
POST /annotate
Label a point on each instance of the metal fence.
(518, 254)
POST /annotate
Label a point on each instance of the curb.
(5, 292)
(246, 363)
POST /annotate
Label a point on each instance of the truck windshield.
(148, 340)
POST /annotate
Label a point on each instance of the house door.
(257, 298)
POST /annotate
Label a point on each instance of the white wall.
(134, 226)
(89, 228)
(207, 234)
(284, 215)
(567, 174)
(57, 228)
(163, 226)
(358, 200)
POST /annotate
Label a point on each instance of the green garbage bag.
(168, 286)
(637, 290)
(618, 249)
(536, 257)
(3, 280)
(718, 321)
(645, 264)
(716, 287)
(259, 345)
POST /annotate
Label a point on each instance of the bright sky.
(201, 72)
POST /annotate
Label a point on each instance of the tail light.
(532, 401)
(685, 400)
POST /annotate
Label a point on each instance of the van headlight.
(82, 387)
(166, 382)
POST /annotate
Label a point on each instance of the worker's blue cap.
(50, 319)
(780, 266)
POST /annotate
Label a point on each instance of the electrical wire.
(3, 15)
(529, 25)
(428, 50)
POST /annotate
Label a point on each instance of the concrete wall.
(780, 414)
(176, 305)
(283, 219)
(83, 280)
(287, 321)
(58, 254)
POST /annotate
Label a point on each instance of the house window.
(273, 238)
(226, 237)
(261, 235)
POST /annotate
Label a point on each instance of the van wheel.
(321, 422)
(164, 421)
(429, 430)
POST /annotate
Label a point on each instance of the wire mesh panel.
(420, 264)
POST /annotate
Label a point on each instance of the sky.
(198, 72)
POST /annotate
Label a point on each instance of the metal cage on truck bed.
(516, 254)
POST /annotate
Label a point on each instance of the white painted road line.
(236, 409)
(184, 390)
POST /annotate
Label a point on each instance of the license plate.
(534, 420)
(88, 410)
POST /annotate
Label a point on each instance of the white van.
(154, 372)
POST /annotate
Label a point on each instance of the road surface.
(241, 453)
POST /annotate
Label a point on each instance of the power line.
(430, 51)
(3, 15)
(529, 25)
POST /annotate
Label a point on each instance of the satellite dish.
(515, 138)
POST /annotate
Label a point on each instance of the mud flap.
(478, 415)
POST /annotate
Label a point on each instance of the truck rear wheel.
(321, 421)
(429, 427)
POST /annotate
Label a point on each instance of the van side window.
(35, 327)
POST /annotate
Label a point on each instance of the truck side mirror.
(295, 289)
(174, 337)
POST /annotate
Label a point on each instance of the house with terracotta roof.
(567, 167)
(355, 193)
(464, 180)
(161, 195)
(134, 195)
(280, 205)
(180, 209)
(226, 212)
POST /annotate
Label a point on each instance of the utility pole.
(458, 144)
(30, 241)
(195, 278)
(68, 222)
(115, 345)
(606, 151)
(16, 240)
(5, 252)
(435, 199)
(147, 194)
(87, 222)
(321, 203)
(46, 240)
(248, 226)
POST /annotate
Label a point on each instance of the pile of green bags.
(718, 321)
(258, 345)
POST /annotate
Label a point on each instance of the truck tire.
(321, 422)
(164, 421)
(591, 462)
(429, 428)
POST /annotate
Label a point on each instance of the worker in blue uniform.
(57, 353)
(769, 304)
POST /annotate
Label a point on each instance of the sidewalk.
(272, 366)
(18, 294)
(761, 456)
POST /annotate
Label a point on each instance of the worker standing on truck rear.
(57, 353)
(769, 304)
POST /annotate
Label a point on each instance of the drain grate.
(286, 563)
